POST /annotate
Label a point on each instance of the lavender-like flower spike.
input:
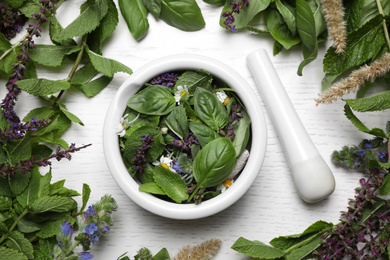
(26, 165)
(229, 15)
(12, 20)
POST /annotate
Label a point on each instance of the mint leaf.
(58, 188)
(40, 112)
(306, 27)
(17, 241)
(19, 182)
(22, 151)
(363, 45)
(31, 193)
(84, 74)
(51, 228)
(51, 55)
(4, 43)
(257, 249)
(6, 63)
(106, 66)
(378, 102)
(11, 254)
(5, 189)
(151, 187)
(94, 87)
(55, 31)
(89, 19)
(306, 249)
(85, 197)
(385, 188)
(69, 115)
(105, 29)
(29, 8)
(171, 183)
(28, 226)
(359, 125)
(15, 3)
(42, 87)
(52, 203)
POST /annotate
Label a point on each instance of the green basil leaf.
(242, 133)
(154, 7)
(135, 15)
(307, 31)
(91, 13)
(209, 109)
(11, 254)
(215, 2)
(288, 13)
(359, 125)
(17, 241)
(52, 204)
(15, 3)
(257, 249)
(363, 45)
(385, 188)
(318, 15)
(137, 118)
(151, 187)
(51, 55)
(279, 30)
(203, 133)
(182, 14)
(193, 80)
(256, 30)
(162, 255)
(171, 183)
(105, 29)
(378, 102)
(85, 197)
(42, 87)
(154, 100)
(286, 242)
(106, 66)
(246, 13)
(177, 122)
(214, 163)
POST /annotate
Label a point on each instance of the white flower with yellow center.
(221, 95)
(165, 162)
(180, 92)
(225, 185)
(124, 124)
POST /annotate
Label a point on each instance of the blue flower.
(90, 228)
(67, 229)
(382, 156)
(106, 228)
(94, 238)
(361, 153)
(367, 146)
(85, 255)
(91, 211)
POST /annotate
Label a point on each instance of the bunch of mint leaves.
(184, 141)
(33, 211)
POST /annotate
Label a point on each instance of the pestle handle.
(312, 177)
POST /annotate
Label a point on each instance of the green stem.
(193, 194)
(385, 29)
(13, 226)
(67, 252)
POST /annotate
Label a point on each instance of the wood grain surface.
(271, 206)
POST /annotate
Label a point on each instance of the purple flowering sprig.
(11, 20)
(139, 160)
(17, 131)
(185, 144)
(165, 79)
(25, 166)
(96, 222)
(229, 15)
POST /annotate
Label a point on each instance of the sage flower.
(180, 92)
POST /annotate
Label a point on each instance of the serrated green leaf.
(5, 189)
(51, 228)
(106, 66)
(151, 187)
(31, 193)
(19, 182)
(52, 204)
(42, 87)
(363, 45)
(28, 226)
(134, 140)
(69, 115)
(171, 183)
(55, 30)
(257, 249)
(91, 13)
(4, 43)
(3, 228)
(385, 187)
(305, 250)
(51, 55)
(6, 63)
(11, 254)
(84, 74)
(135, 15)
(359, 125)
(359, 12)
(105, 29)
(158, 147)
(22, 151)
(17, 241)
(85, 197)
(5, 203)
(95, 86)
(29, 8)
(378, 102)
(307, 31)
(15, 3)
(41, 113)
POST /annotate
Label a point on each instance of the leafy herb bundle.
(181, 135)
(37, 217)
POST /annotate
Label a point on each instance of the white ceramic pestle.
(312, 177)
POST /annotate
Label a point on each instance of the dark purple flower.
(165, 79)
(140, 161)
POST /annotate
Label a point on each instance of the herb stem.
(193, 194)
(380, 9)
(4, 237)
(67, 252)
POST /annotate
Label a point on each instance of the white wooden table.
(271, 206)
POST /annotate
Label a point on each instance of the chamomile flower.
(124, 124)
(165, 162)
(180, 92)
(221, 95)
(225, 185)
